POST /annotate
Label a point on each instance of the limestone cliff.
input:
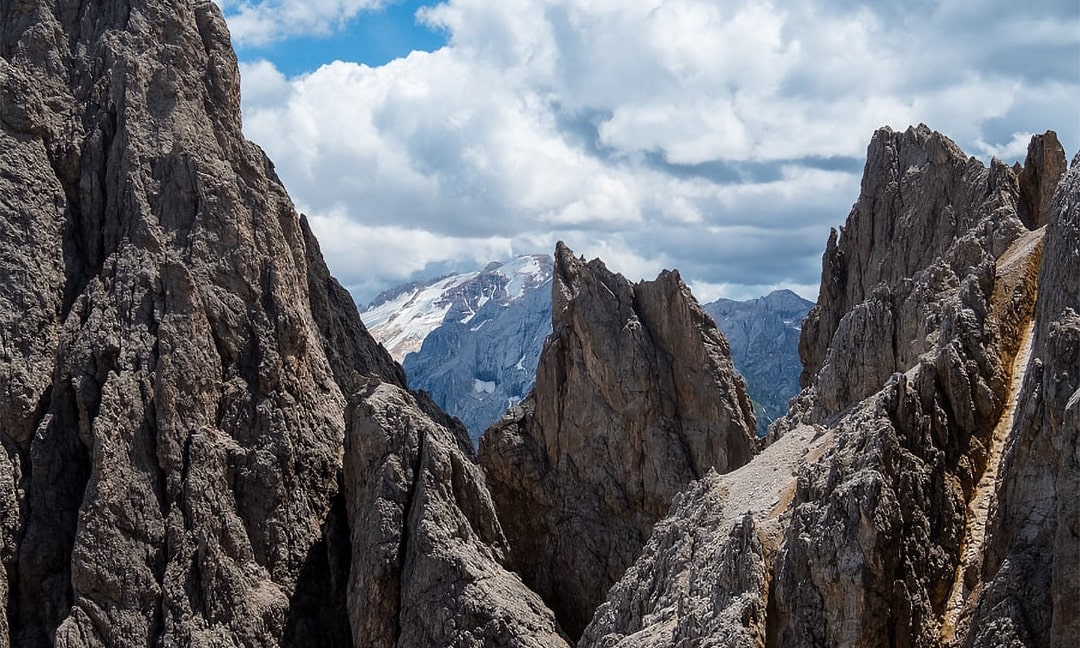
(875, 535)
(177, 368)
(1028, 588)
(635, 397)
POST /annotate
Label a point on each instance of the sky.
(722, 138)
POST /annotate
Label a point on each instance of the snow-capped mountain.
(471, 340)
(402, 318)
(764, 338)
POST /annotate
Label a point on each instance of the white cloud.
(722, 138)
(253, 22)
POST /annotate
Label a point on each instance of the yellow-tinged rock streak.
(966, 582)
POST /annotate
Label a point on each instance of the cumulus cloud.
(720, 138)
(254, 22)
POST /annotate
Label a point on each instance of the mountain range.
(472, 340)
(201, 444)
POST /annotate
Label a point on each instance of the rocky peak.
(635, 397)
(918, 507)
(196, 428)
(1039, 178)
(918, 213)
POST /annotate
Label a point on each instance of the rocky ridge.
(909, 360)
(481, 339)
(202, 445)
(635, 397)
(196, 427)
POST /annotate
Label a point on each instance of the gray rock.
(1028, 590)
(1039, 178)
(179, 372)
(427, 546)
(880, 539)
(635, 397)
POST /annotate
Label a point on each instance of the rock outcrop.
(635, 397)
(1028, 587)
(426, 543)
(914, 362)
(1039, 178)
(763, 334)
(176, 368)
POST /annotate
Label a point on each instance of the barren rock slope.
(175, 368)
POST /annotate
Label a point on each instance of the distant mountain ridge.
(472, 340)
(764, 338)
(404, 316)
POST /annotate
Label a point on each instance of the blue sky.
(373, 37)
(721, 138)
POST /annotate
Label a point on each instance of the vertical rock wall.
(176, 365)
(635, 397)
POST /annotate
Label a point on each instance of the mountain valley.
(202, 444)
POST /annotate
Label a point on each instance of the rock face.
(1031, 573)
(426, 543)
(176, 366)
(635, 397)
(878, 534)
(763, 334)
(1043, 168)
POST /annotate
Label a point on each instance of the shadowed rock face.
(877, 533)
(426, 543)
(1039, 178)
(176, 363)
(635, 397)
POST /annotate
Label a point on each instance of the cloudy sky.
(723, 138)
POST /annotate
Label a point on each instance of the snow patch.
(403, 323)
(523, 272)
(483, 386)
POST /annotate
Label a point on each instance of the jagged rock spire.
(635, 397)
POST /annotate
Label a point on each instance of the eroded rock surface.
(427, 545)
(1028, 590)
(176, 364)
(1039, 178)
(926, 297)
(635, 398)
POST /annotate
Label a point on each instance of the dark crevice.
(318, 610)
(61, 467)
(185, 469)
(407, 528)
